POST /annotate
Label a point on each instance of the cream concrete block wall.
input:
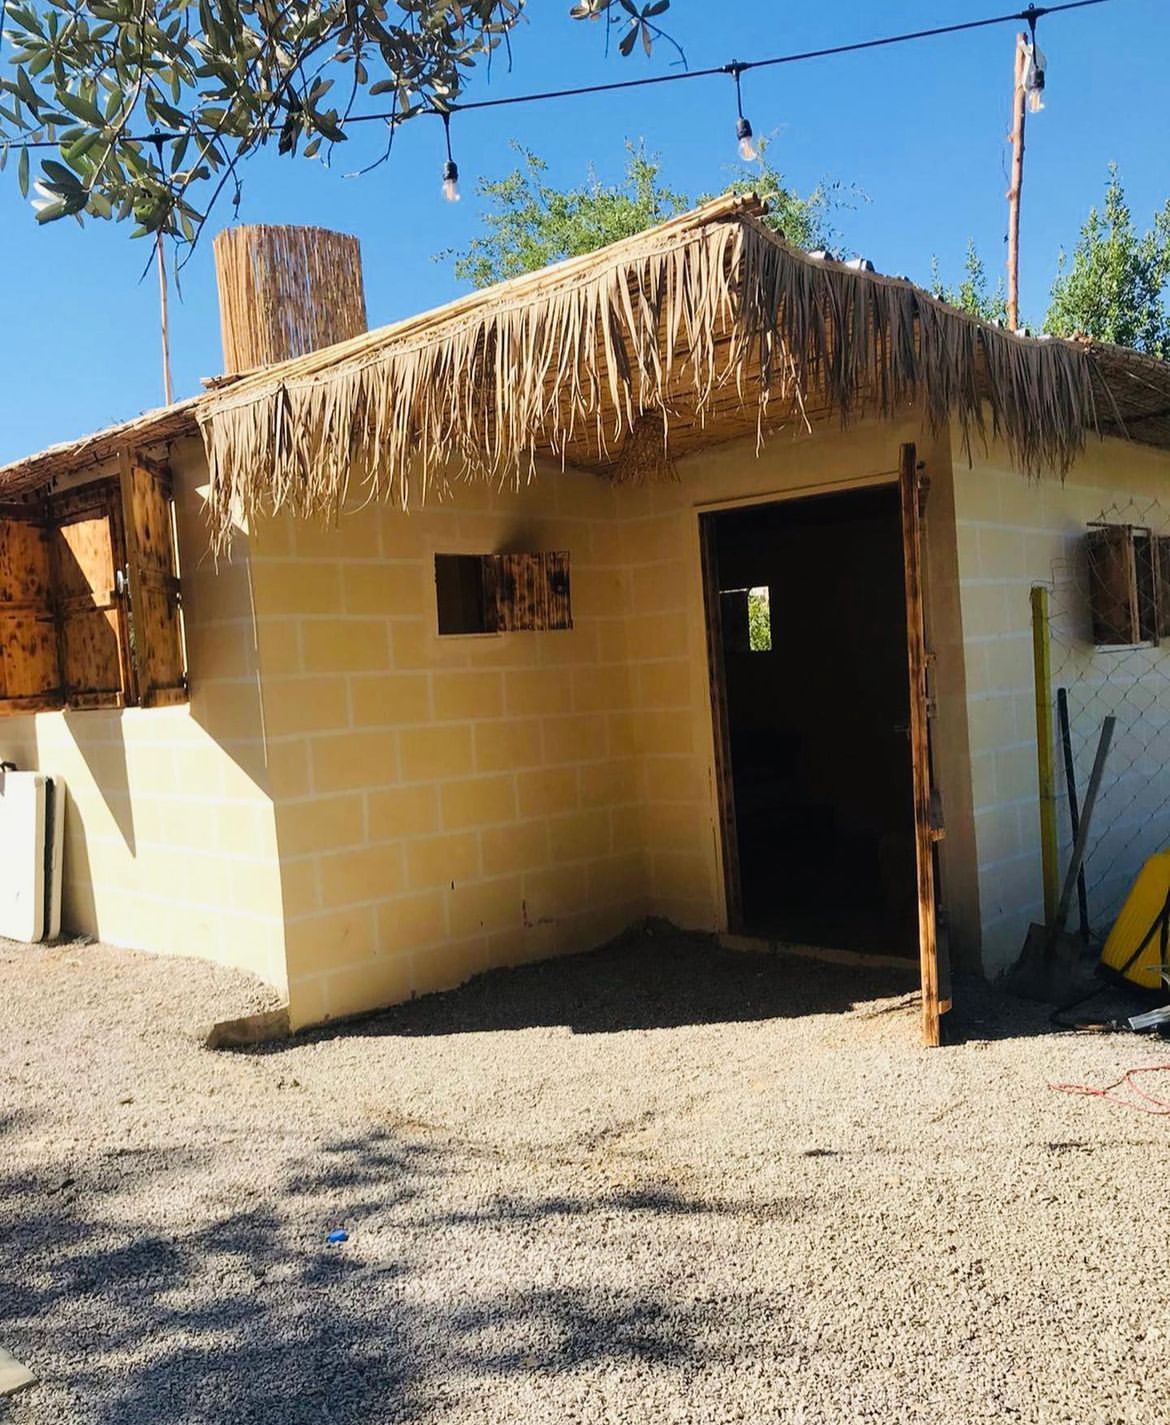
(1012, 534)
(170, 834)
(445, 804)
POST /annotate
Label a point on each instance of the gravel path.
(658, 1183)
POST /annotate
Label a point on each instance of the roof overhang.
(704, 329)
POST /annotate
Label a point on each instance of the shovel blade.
(1050, 968)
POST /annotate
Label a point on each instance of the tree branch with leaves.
(136, 108)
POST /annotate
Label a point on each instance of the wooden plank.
(716, 670)
(154, 588)
(1162, 586)
(917, 662)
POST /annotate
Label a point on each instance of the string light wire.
(735, 68)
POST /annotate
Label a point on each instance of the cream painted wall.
(1012, 534)
(445, 804)
(170, 835)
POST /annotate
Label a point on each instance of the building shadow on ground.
(650, 979)
(661, 978)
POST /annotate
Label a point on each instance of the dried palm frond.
(708, 315)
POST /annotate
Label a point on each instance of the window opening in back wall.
(747, 619)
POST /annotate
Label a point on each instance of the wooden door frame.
(909, 485)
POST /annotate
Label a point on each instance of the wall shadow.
(100, 740)
(643, 980)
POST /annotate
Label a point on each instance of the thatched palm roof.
(705, 328)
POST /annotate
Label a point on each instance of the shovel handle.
(1082, 841)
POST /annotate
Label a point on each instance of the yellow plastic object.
(1143, 906)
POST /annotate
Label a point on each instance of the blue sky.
(920, 128)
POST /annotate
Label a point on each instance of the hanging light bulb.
(450, 168)
(1034, 67)
(743, 128)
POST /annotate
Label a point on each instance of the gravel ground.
(657, 1183)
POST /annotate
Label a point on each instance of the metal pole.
(1042, 665)
(1019, 110)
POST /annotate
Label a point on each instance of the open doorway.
(813, 697)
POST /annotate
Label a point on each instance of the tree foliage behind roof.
(1114, 287)
(973, 293)
(529, 222)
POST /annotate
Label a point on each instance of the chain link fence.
(1109, 626)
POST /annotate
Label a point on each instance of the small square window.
(503, 593)
(459, 593)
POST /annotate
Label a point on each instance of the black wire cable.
(735, 68)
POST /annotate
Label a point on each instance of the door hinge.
(938, 828)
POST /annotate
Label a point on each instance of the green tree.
(529, 222)
(972, 294)
(135, 107)
(760, 620)
(1114, 287)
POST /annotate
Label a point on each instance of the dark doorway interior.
(813, 616)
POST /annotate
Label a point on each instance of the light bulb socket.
(450, 171)
(743, 129)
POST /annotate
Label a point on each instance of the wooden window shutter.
(30, 669)
(155, 613)
(1161, 560)
(1113, 596)
(88, 558)
(527, 592)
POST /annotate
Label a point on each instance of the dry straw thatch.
(285, 291)
(693, 323)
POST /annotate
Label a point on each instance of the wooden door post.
(910, 488)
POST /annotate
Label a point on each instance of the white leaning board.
(32, 826)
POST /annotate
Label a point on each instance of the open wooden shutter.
(527, 592)
(1161, 562)
(148, 513)
(1113, 596)
(88, 558)
(30, 672)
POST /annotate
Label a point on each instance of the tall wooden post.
(1019, 109)
(160, 256)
